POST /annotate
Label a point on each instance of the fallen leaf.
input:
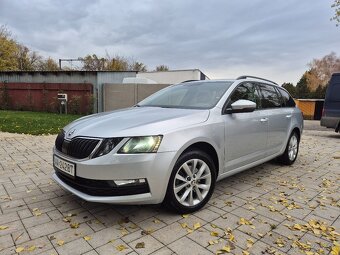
(87, 238)
(146, 232)
(229, 203)
(212, 242)
(197, 225)
(156, 221)
(140, 245)
(133, 226)
(184, 225)
(31, 248)
(231, 237)
(335, 249)
(60, 242)
(243, 221)
(250, 242)
(121, 247)
(226, 248)
(74, 225)
(185, 215)
(124, 232)
(3, 227)
(280, 242)
(37, 213)
(297, 226)
(260, 234)
(214, 233)
(19, 249)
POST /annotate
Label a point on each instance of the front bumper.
(154, 167)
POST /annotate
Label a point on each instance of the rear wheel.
(291, 151)
(191, 183)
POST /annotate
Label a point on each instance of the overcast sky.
(226, 38)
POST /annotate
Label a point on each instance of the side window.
(270, 98)
(246, 91)
(288, 101)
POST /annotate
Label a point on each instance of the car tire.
(191, 183)
(291, 151)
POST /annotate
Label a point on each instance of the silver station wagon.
(173, 146)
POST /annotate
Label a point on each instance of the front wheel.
(291, 151)
(191, 183)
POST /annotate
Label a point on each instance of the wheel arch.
(207, 148)
(297, 130)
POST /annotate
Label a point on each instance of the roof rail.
(249, 76)
(189, 81)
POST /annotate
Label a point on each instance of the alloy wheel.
(292, 147)
(192, 182)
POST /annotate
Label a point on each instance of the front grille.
(77, 148)
(102, 187)
(59, 141)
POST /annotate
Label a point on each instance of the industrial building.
(50, 90)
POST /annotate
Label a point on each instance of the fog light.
(129, 182)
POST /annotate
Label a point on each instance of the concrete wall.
(117, 96)
(109, 77)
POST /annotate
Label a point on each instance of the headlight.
(144, 144)
(106, 146)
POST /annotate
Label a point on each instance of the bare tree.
(321, 70)
(162, 68)
(137, 66)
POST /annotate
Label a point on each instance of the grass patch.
(34, 123)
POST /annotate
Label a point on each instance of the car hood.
(135, 121)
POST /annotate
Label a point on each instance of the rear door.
(279, 118)
(245, 133)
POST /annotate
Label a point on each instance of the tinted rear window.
(270, 98)
(287, 100)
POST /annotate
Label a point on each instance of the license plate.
(64, 165)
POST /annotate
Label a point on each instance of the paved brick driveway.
(269, 209)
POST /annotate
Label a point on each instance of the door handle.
(288, 116)
(264, 119)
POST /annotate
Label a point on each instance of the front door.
(245, 133)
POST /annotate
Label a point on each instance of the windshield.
(192, 95)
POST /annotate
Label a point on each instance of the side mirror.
(242, 106)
